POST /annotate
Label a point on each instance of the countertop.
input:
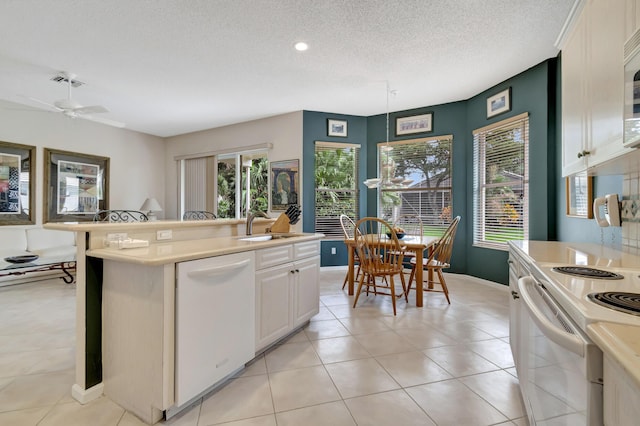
(180, 251)
(149, 225)
(621, 343)
(578, 253)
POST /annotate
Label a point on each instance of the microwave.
(632, 91)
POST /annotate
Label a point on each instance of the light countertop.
(180, 251)
(621, 343)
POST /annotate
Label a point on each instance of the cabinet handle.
(515, 295)
(297, 270)
(292, 272)
(583, 154)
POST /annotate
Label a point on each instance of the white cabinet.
(621, 396)
(214, 321)
(632, 18)
(593, 87)
(286, 289)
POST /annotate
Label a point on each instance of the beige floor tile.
(291, 355)
(269, 420)
(241, 398)
(463, 332)
(361, 325)
(27, 417)
(360, 377)
(330, 414)
(495, 327)
(500, 389)
(522, 421)
(452, 403)
(336, 299)
(293, 389)
(36, 390)
(412, 368)
(348, 311)
(495, 350)
(325, 329)
(459, 361)
(339, 349)
(129, 419)
(425, 337)
(323, 314)
(255, 367)
(388, 408)
(384, 343)
(101, 412)
(298, 336)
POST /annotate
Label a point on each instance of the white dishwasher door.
(215, 321)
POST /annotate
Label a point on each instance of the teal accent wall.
(533, 91)
(315, 129)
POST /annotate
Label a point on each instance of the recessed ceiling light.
(301, 46)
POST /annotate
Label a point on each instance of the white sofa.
(55, 249)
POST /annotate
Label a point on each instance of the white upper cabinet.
(593, 87)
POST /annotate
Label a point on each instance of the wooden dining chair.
(410, 224)
(437, 261)
(348, 229)
(380, 254)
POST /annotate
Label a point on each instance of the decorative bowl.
(400, 235)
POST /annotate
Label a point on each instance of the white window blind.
(501, 183)
(426, 161)
(336, 181)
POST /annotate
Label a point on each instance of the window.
(209, 183)
(501, 183)
(427, 162)
(337, 182)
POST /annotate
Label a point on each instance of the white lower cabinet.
(287, 290)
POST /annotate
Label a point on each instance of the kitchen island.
(128, 305)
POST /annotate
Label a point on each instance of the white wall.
(137, 160)
(283, 131)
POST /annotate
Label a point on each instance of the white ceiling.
(168, 67)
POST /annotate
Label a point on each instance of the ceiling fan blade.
(93, 109)
(44, 103)
(102, 120)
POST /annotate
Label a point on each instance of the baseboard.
(84, 396)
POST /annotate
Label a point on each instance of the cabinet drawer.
(266, 258)
(306, 249)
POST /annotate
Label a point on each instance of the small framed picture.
(337, 128)
(414, 124)
(497, 104)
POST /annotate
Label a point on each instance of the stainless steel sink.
(267, 237)
(256, 238)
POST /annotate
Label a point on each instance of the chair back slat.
(444, 248)
(411, 224)
(198, 215)
(120, 216)
(378, 247)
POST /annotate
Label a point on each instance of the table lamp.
(149, 206)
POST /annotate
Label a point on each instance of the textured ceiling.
(167, 67)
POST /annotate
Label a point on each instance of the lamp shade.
(151, 205)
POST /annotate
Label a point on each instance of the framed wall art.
(414, 124)
(337, 128)
(579, 193)
(285, 184)
(76, 186)
(499, 103)
(17, 188)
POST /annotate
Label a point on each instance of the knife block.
(281, 224)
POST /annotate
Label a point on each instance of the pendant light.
(388, 178)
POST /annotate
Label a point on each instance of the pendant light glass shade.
(388, 178)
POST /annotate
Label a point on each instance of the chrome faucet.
(250, 217)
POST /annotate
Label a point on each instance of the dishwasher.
(215, 321)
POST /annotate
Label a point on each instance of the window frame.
(330, 229)
(480, 186)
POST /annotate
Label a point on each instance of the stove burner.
(587, 272)
(623, 302)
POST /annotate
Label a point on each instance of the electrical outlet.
(167, 234)
(333, 250)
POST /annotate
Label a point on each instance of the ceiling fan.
(74, 109)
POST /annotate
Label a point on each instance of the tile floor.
(437, 365)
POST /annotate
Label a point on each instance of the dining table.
(412, 243)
